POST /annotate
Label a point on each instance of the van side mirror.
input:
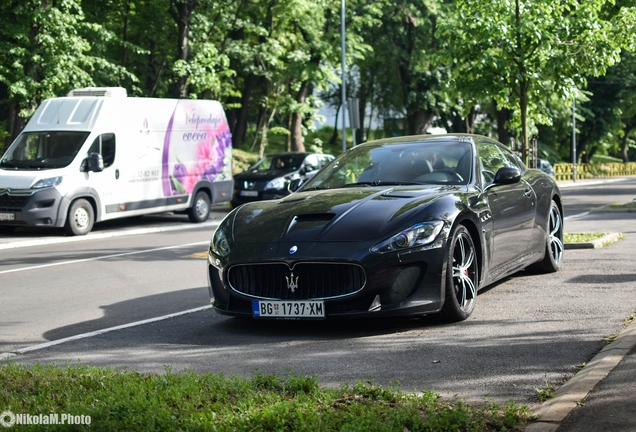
(95, 162)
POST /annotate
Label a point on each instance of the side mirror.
(95, 162)
(507, 175)
(295, 184)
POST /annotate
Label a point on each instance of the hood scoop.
(308, 226)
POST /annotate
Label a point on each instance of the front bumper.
(39, 208)
(407, 284)
(239, 197)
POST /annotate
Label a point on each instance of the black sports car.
(403, 226)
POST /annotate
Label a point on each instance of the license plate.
(288, 309)
(249, 193)
(7, 216)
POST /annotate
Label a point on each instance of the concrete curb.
(595, 244)
(571, 394)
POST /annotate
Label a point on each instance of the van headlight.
(415, 236)
(277, 183)
(47, 183)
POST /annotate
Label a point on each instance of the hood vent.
(309, 223)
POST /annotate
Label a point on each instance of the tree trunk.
(503, 115)
(297, 139)
(334, 136)
(624, 146)
(419, 121)
(181, 11)
(238, 136)
(470, 121)
(262, 119)
(523, 106)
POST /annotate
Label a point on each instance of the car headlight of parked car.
(277, 183)
(415, 236)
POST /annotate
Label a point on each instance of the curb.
(595, 244)
(572, 393)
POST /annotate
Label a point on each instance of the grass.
(582, 237)
(126, 400)
(626, 206)
(544, 394)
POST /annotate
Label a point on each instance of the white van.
(97, 155)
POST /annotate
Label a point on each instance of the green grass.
(126, 400)
(582, 237)
(631, 205)
(544, 394)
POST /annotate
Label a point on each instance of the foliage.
(521, 52)
(45, 50)
(510, 67)
(187, 401)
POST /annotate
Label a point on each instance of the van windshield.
(43, 150)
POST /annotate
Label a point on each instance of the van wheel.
(80, 219)
(200, 210)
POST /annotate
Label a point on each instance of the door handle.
(527, 193)
(117, 174)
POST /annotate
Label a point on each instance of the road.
(527, 331)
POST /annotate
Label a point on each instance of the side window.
(105, 145)
(324, 161)
(510, 159)
(491, 159)
(311, 163)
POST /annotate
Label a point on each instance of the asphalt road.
(527, 331)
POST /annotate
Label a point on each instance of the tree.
(402, 73)
(43, 53)
(519, 52)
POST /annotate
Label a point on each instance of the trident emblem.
(292, 283)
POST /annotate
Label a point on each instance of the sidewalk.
(602, 395)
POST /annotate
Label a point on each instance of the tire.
(553, 258)
(200, 210)
(80, 219)
(462, 277)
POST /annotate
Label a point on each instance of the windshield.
(288, 162)
(411, 163)
(43, 150)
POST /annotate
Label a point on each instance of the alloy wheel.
(464, 272)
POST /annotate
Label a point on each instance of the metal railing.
(564, 171)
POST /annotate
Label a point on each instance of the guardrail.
(564, 171)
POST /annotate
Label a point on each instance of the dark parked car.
(404, 226)
(269, 178)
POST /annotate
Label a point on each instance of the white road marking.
(98, 332)
(95, 236)
(102, 257)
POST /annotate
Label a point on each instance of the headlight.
(220, 245)
(418, 235)
(277, 183)
(49, 182)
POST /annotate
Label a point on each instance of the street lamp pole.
(574, 140)
(343, 109)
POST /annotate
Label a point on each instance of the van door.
(107, 182)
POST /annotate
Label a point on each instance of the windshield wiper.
(398, 183)
(8, 164)
(382, 183)
(362, 184)
(315, 188)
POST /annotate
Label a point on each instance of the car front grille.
(305, 281)
(11, 202)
